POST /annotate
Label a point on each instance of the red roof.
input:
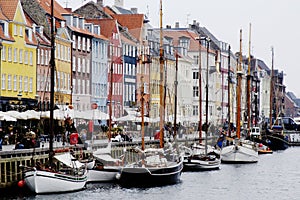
(107, 26)
(58, 9)
(134, 23)
(9, 8)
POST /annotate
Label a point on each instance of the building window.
(46, 57)
(83, 65)
(4, 53)
(31, 58)
(74, 64)
(3, 81)
(26, 83)
(21, 56)
(195, 75)
(83, 43)
(21, 31)
(30, 84)
(9, 82)
(9, 54)
(15, 55)
(74, 42)
(195, 91)
(15, 82)
(79, 42)
(79, 65)
(15, 29)
(20, 83)
(26, 57)
(195, 110)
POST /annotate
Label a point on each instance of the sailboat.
(201, 157)
(64, 173)
(273, 136)
(237, 151)
(155, 166)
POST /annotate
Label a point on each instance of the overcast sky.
(274, 23)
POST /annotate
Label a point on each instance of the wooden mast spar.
(161, 83)
(238, 90)
(52, 68)
(248, 85)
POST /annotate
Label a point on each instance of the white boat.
(196, 159)
(72, 177)
(64, 173)
(239, 153)
(236, 151)
(105, 167)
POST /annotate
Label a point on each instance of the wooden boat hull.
(41, 182)
(238, 154)
(150, 176)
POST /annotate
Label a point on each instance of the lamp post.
(20, 100)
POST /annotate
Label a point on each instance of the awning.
(69, 160)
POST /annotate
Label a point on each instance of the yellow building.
(62, 78)
(18, 58)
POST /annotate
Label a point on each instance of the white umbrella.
(91, 114)
(57, 114)
(133, 118)
(5, 117)
(15, 114)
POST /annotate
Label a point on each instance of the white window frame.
(21, 56)
(15, 55)
(15, 82)
(30, 58)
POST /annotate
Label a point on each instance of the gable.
(19, 15)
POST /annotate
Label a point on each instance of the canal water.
(275, 176)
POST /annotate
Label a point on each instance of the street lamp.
(20, 100)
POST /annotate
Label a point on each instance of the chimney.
(177, 25)
(100, 3)
(134, 10)
(69, 10)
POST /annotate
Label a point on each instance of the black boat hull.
(275, 141)
(150, 176)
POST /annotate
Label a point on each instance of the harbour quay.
(11, 160)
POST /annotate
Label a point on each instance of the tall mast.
(52, 68)
(142, 113)
(229, 81)
(110, 94)
(271, 88)
(200, 94)
(161, 82)
(248, 84)
(238, 90)
(175, 101)
(206, 97)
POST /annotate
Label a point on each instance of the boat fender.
(21, 183)
(118, 176)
